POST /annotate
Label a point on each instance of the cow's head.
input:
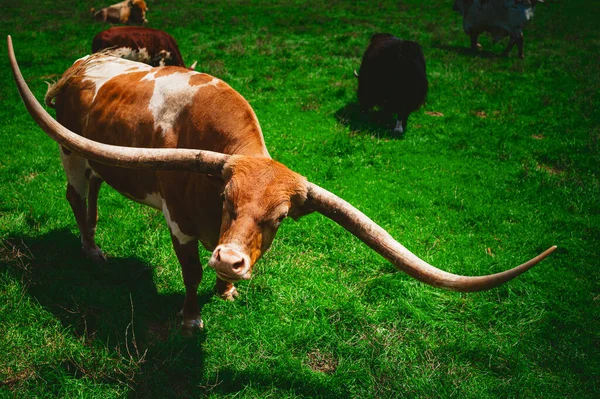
(138, 10)
(259, 194)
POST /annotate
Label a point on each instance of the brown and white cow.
(150, 46)
(499, 17)
(190, 146)
(125, 12)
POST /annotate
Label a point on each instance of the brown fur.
(160, 47)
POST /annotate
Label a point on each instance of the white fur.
(102, 72)
(172, 94)
(139, 55)
(174, 227)
(154, 200)
(75, 167)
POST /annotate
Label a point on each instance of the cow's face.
(259, 194)
(138, 11)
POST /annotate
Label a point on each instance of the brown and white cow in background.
(190, 146)
(150, 46)
(501, 18)
(125, 12)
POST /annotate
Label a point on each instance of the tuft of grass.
(502, 162)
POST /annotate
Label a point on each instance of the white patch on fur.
(139, 55)
(154, 200)
(172, 94)
(75, 167)
(398, 127)
(163, 55)
(174, 227)
(101, 72)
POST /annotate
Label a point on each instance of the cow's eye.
(280, 218)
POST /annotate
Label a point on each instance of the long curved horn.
(383, 243)
(126, 157)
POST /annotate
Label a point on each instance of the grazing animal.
(150, 46)
(392, 76)
(125, 12)
(501, 18)
(190, 146)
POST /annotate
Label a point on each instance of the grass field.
(502, 163)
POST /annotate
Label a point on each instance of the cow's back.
(393, 74)
(120, 102)
(154, 42)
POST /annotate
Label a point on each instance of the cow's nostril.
(218, 255)
(238, 265)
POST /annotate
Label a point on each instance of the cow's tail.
(76, 71)
(55, 88)
(50, 94)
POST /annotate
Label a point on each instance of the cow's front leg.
(520, 40)
(225, 290)
(475, 40)
(191, 268)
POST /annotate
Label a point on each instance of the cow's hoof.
(95, 254)
(229, 295)
(191, 327)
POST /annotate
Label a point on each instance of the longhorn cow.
(189, 145)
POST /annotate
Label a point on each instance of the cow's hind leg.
(517, 39)
(78, 189)
(92, 206)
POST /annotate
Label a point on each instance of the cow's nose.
(230, 263)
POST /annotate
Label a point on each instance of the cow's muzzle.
(230, 263)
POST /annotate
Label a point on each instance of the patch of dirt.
(322, 362)
(12, 378)
(549, 169)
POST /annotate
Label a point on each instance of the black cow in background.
(392, 76)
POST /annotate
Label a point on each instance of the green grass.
(509, 167)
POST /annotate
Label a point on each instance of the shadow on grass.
(116, 306)
(302, 385)
(373, 122)
(466, 51)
